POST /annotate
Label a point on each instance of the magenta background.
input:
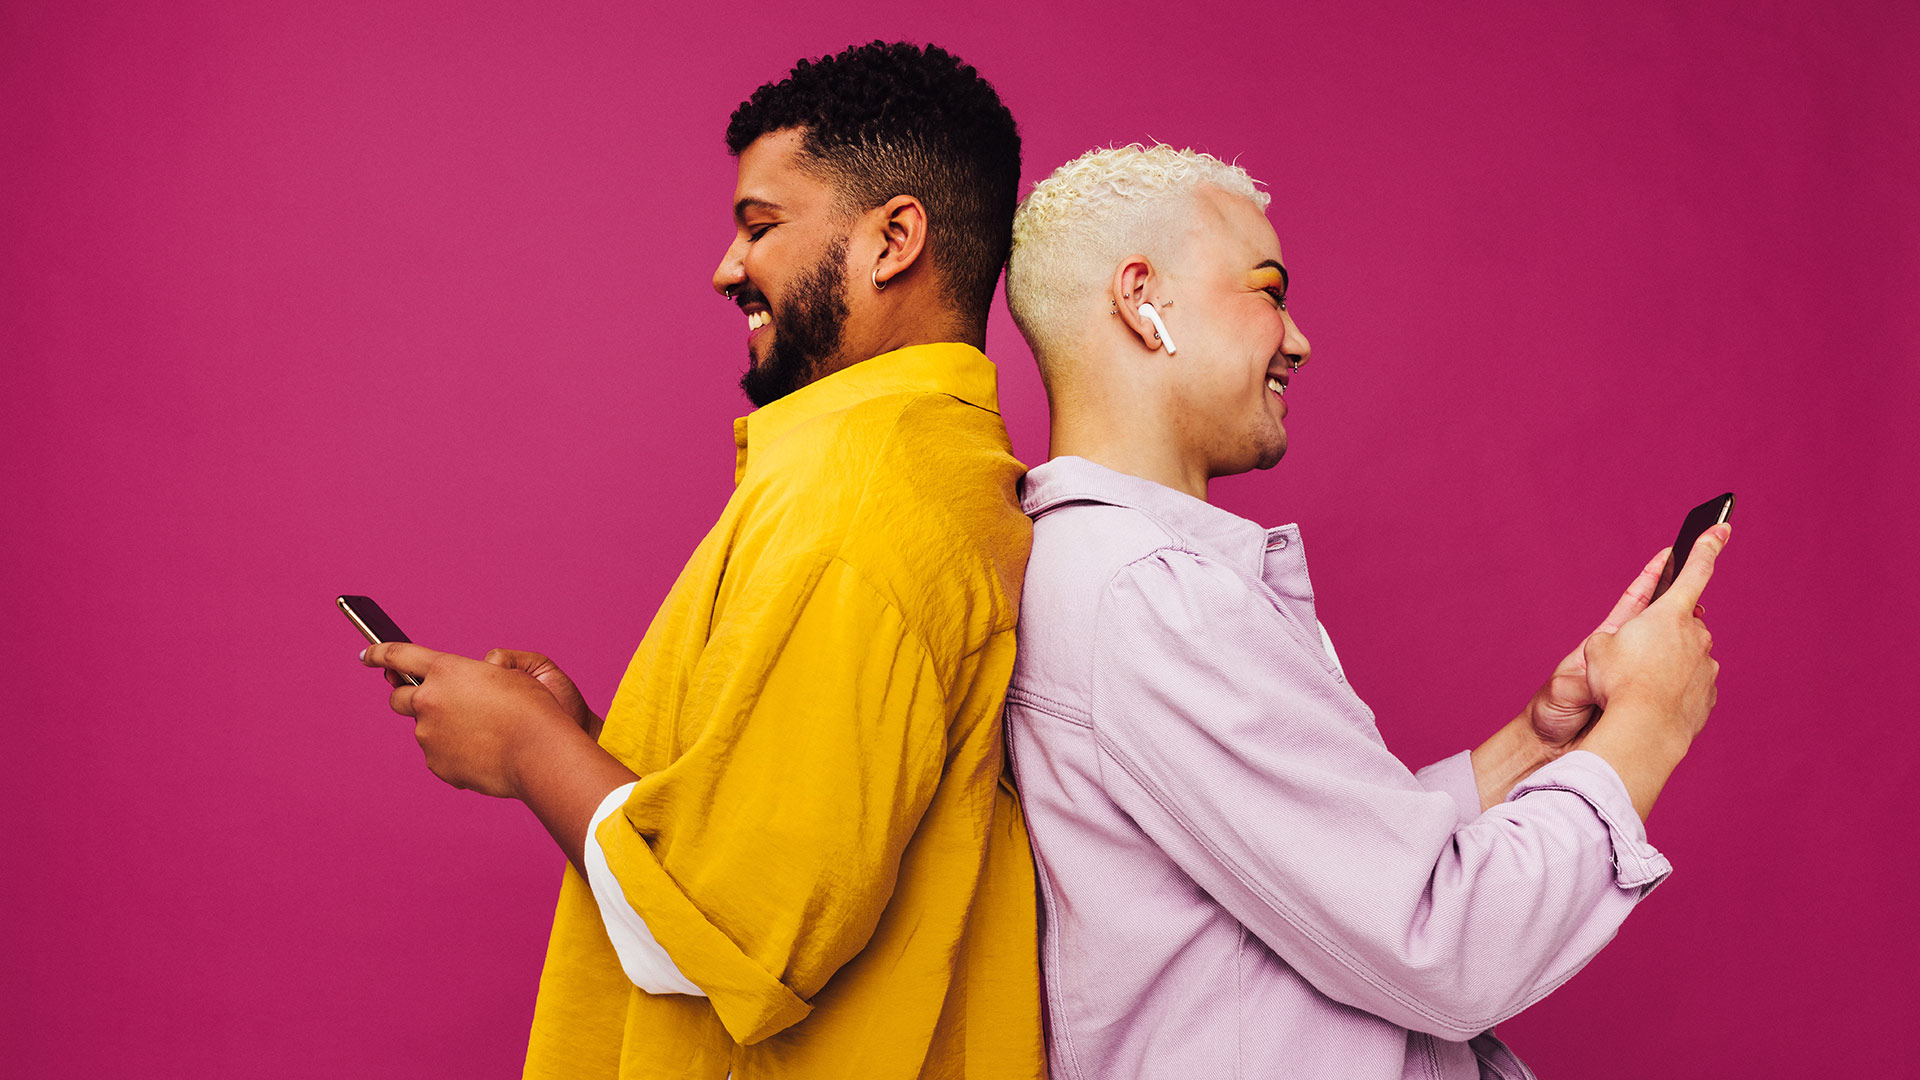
(413, 301)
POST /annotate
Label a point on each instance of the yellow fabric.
(822, 838)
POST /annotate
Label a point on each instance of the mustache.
(747, 294)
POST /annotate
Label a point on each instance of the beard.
(807, 326)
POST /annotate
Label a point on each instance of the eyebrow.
(752, 203)
(1264, 263)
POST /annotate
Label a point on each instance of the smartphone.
(362, 612)
(1699, 520)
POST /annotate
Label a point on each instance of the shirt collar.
(1203, 526)
(946, 367)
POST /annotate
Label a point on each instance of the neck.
(913, 321)
(1108, 428)
(930, 332)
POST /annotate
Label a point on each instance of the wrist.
(1644, 718)
(539, 747)
(1642, 749)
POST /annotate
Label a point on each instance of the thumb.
(1686, 589)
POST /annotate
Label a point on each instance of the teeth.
(757, 320)
(1276, 386)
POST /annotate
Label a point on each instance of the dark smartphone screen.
(373, 623)
(1699, 520)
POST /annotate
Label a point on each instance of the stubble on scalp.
(807, 328)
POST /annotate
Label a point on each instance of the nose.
(1294, 343)
(732, 271)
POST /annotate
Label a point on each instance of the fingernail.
(363, 654)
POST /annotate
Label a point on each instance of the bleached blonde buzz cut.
(1075, 226)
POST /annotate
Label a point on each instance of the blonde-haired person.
(1238, 878)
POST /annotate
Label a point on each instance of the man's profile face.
(786, 268)
(1234, 336)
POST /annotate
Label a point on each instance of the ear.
(1128, 291)
(903, 226)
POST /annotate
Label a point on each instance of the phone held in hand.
(363, 613)
(1699, 520)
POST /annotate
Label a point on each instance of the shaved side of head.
(1074, 227)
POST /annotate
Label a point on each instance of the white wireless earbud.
(1159, 328)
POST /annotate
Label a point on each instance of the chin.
(1270, 448)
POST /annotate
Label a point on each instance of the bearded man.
(1239, 878)
(792, 850)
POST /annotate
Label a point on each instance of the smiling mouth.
(754, 307)
(1277, 384)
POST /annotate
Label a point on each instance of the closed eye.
(755, 234)
(1271, 278)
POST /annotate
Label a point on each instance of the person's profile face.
(1236, 337)
(786, 268)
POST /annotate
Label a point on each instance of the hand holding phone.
(1654, 677)
(372, 622)
(1699, 520)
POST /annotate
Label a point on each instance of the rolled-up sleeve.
(1454, 775)
(645, 963)
(762, 858)
(1636, 863)
(1227, 735)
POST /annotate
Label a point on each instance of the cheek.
(1217, 393)
(1273, 332)
(770, 259)
(758, 264)
(1250, 334)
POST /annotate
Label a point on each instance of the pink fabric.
(1238, 878)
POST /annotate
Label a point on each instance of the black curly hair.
(886, 119)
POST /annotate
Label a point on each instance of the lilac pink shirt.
(1237, 877)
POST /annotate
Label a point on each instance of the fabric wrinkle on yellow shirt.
(823, 838)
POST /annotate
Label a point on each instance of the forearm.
(1509, 756)
(563, 779)
(1383, 901)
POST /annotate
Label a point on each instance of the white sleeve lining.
(647, 964)
(1326, 643)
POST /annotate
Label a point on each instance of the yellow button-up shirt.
(822, 838)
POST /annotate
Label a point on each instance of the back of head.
(1074, 227)
(882, 120)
